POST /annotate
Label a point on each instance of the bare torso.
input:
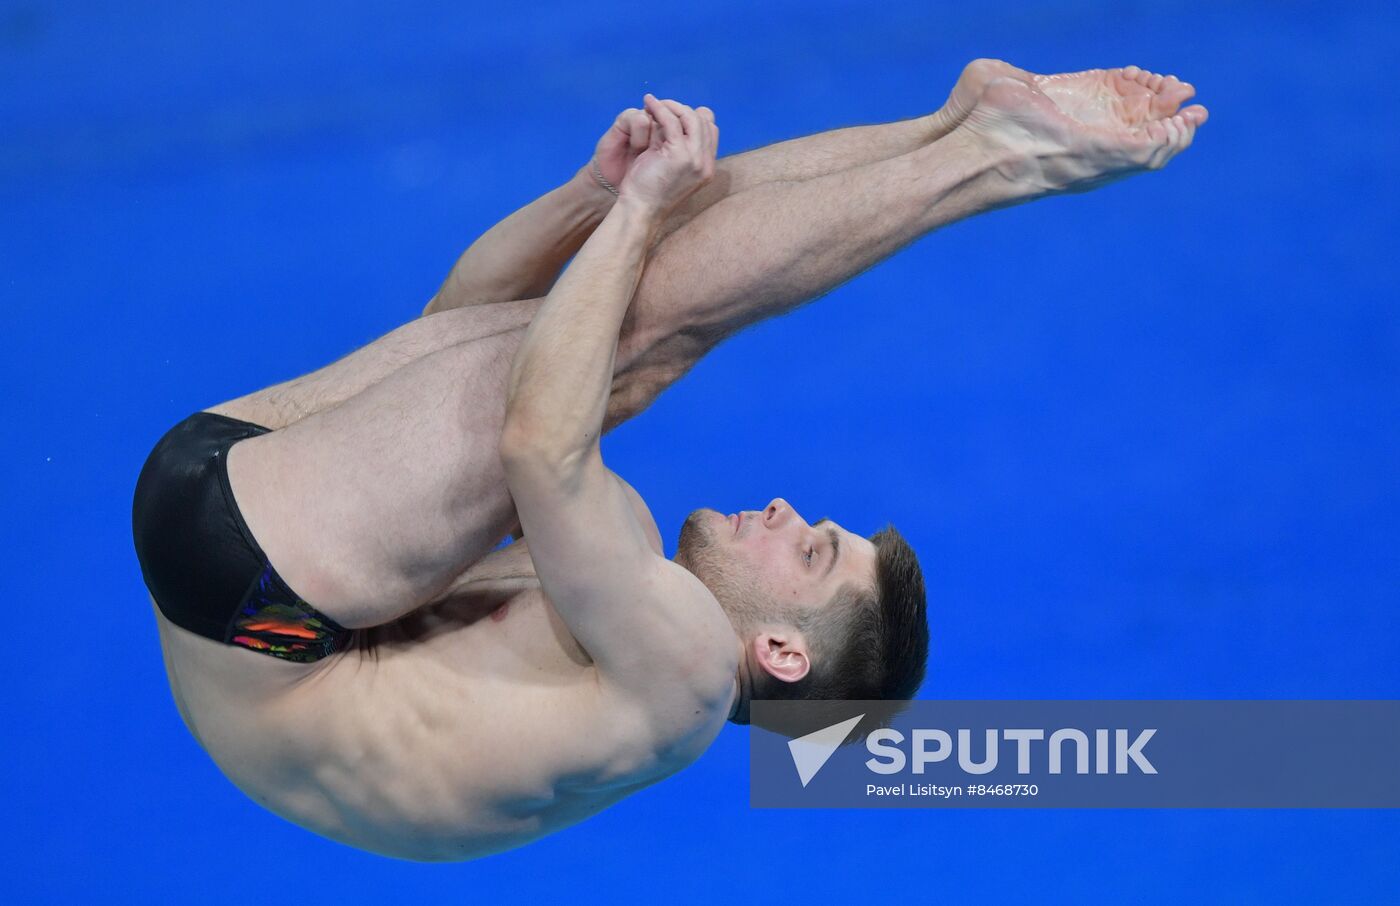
(471, 726)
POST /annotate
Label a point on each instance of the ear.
(782, 654)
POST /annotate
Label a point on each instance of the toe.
(1173, 132)
(1171, 96)
(1195, 115)
(1181, 91)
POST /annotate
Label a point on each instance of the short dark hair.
(871, 643)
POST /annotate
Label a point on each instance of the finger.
(710, 131)
(709, 146)
(708, 127)
(654, 132)
(696, 139)
(693, 126)
(669, 123)
(640, 132)
(622, 126)
(689, 121)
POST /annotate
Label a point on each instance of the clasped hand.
(658, 156)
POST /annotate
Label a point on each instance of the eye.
(811, 553)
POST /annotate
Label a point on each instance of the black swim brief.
(200, 561)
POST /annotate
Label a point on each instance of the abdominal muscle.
(468, 727)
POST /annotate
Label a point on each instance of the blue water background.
(1147, 440)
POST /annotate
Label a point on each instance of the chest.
(494, 624)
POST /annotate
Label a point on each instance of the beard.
(735, 586)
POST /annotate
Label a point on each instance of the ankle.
(939, 123)
(984, 169)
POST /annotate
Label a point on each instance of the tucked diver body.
(342, 634)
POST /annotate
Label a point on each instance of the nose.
(779, 513)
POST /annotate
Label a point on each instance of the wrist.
(589, 191)
(645, 214)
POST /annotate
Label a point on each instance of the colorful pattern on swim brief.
(279, 624)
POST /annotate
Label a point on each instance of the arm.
(519, 257)
(642, 619)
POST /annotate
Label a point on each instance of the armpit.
(644, 517)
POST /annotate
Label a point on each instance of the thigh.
(369, 508)
(290, 401)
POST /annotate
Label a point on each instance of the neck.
(743, 688)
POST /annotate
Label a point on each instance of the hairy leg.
(291, 401)
(457, 317)
(522, 255)
(372, 507)
(760, 252)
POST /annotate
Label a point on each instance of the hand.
(679, 157)
(625, 140)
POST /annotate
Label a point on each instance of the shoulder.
(652, 737)
(680, 689)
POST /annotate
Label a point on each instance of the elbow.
(520, 440)
(527, 445)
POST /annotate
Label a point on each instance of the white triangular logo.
(812, 751)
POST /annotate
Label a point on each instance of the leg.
(521, 256)
(447, 323)
(760, 252)
(370, 507)
(290, 401)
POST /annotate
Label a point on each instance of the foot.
(975, 78)
(1127, 97)
(1100, 126)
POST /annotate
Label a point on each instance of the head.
(821, 612)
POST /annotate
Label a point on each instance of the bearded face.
(739, 586)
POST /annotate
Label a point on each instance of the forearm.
(520, 257)
(562, 376)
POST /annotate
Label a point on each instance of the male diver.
(340, 635)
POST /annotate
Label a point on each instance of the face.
(770, 565)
